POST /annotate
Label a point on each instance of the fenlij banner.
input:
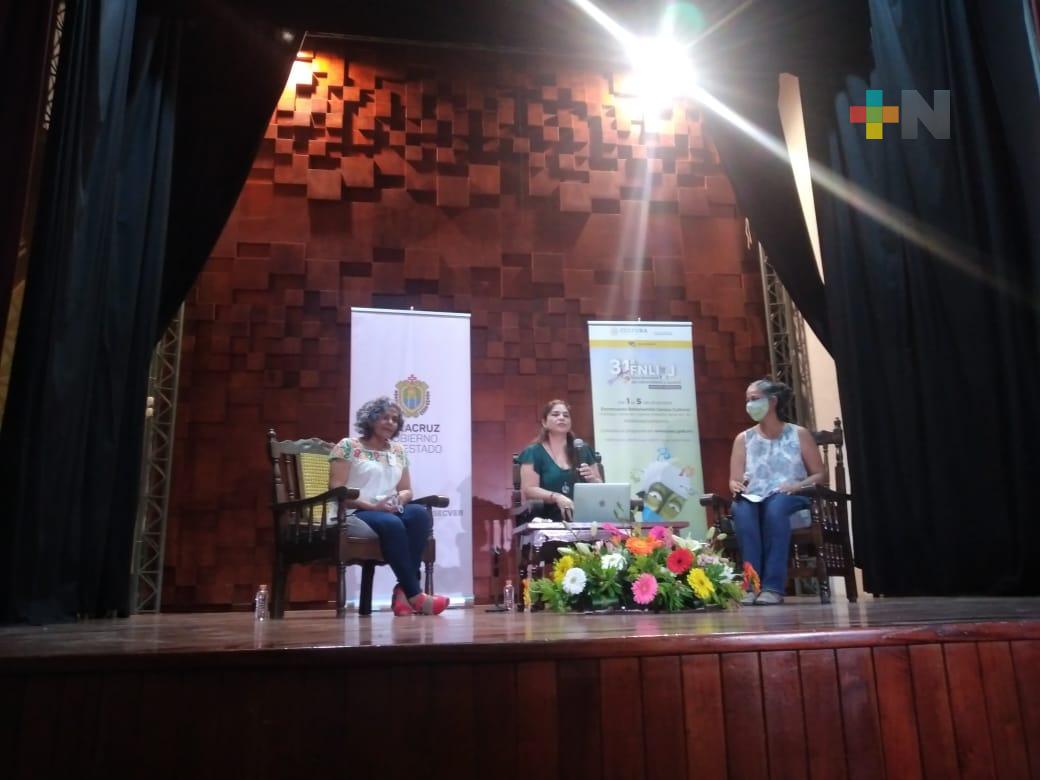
(422, 359)
(645, 415)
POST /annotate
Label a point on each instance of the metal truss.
(788, 359)
(146, 571)
(785, 331)
(57, 33)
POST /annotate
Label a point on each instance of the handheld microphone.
(579, 448)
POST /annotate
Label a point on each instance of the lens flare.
(662, 74)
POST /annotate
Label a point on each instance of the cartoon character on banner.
(665, 488)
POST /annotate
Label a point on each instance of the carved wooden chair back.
(828, 540)
(300, 470)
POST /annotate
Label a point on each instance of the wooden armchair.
(824, 548)
(311, 524)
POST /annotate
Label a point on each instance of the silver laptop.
(602, 502)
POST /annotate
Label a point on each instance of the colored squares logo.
(874, 115)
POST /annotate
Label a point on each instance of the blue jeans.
(402, 538)
(764, 533)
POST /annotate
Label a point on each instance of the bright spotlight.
(661, 71)
(301, 73)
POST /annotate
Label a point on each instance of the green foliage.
(645, 564)
(548, 592)
(603, 586)
(673, 595)
(728, 594)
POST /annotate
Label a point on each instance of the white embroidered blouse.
(375, 473)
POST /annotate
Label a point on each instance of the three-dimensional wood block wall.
(526, 191)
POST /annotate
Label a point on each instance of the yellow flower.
(565, 563)
(700, 583)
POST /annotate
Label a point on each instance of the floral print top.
(772, 462)
(375, 473)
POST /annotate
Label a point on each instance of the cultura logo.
(913, 110)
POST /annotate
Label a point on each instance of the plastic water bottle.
(509, 596)
(260, 600)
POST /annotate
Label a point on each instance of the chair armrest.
(340, 493)
(432, 501)
(527, 508)
(821, 491)
(716, 501)
(531, 505)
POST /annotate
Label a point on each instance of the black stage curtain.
(89, 312)
(232, 72)
(765, 190)
(938, 365)
(741, 65)
(72, 433)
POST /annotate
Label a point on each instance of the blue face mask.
(758, 409)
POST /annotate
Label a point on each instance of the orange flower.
(640, 545)
(751, 581)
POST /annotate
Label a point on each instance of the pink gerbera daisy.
(661, 533)
(644, 588)
(679, 560)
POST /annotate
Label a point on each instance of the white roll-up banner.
(645, 415)
(422, 360)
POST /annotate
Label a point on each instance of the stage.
(474, 633)
(896, 687)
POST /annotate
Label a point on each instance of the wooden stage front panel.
(899, 688)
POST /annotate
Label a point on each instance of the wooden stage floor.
(801, 621)
(901, 688)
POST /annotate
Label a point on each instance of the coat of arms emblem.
(413, 396)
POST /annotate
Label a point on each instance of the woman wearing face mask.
(551, 464)
(770, 461)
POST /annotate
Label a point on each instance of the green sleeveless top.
(552, 477)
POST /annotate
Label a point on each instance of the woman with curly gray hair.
(378, 468)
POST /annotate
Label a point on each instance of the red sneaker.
(399, 603)
(430, 605)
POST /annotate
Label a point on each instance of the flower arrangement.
(656, 570)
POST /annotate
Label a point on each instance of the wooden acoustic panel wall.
(530, 193)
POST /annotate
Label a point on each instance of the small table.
(538, 540)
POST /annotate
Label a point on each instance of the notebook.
(602, 502)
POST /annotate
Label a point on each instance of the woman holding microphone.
(552, 463)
